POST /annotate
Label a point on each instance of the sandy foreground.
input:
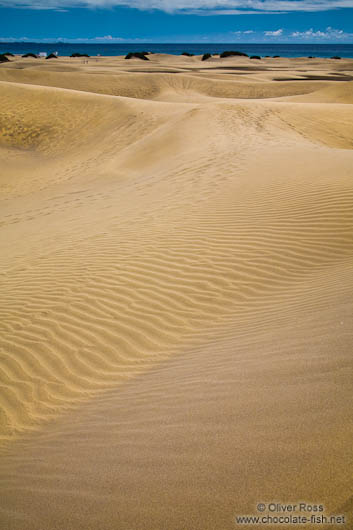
(176, 275)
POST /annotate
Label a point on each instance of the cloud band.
(198, 7)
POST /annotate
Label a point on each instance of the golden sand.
(176, 290)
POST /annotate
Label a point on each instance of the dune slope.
(176, 299)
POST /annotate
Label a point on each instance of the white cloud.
(276, 33)
(216, 12)
(322, 35)
(247, 32)
(214, 7)
(244, 36)
(53, 40)
(328, 34)
(107, 38)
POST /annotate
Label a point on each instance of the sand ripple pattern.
(173, 222)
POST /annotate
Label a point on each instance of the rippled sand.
(176, 290)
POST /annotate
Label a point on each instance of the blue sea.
(284, 50)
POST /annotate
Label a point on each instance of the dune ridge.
(144, 85)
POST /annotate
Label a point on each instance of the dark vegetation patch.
(256, 57)
(233, 54)
(241, 68)
(316, 78)
(137, 55)
(33, 55)
(336, 57)
(51, 56)
(3, 58)
(8, 54)
(78, 54)
(142, 70)
(206, 56)
(187, 54)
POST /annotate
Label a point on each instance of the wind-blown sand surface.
(176, 290)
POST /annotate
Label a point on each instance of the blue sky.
(324, 21)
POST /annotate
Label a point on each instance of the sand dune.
(139, 83)
(331, 94)
(176, 292)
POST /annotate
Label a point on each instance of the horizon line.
(177, 42)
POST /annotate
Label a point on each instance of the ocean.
(284, 50)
